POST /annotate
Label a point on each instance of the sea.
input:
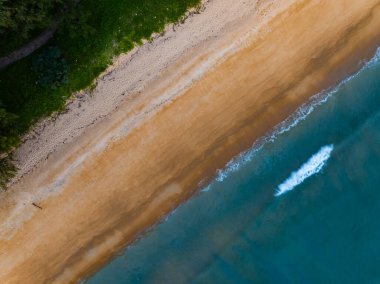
(301, 206)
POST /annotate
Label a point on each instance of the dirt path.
(28, 48)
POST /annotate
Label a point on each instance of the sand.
(136, 149)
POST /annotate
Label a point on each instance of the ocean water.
(301, 206)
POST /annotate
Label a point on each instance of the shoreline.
(190, 137)
(241, 159)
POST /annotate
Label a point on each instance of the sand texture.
(163, 119)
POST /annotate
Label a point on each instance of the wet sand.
(107, 186)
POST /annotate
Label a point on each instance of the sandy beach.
(162, 120)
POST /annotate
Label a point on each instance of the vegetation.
(7, 171)
(88, 37)
(8, 138)
(51, 68)
(21, 19)
(8, 133)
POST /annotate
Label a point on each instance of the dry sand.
(207, 91)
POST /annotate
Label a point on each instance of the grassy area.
(104, 29)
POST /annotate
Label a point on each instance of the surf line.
(313, 166)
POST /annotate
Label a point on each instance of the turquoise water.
(302, 206)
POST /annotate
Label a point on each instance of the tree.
(21, 17)
(8, 140)
(8, 134)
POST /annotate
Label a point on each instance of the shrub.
(8, 134)
(8, 140)
(51, 68)
(7, 171)
(22, 17)
(75, 24)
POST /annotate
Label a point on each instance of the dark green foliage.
(75, 24)
(51, 68)
(23, 16)
(8, 133)
(7, 171)
(9, 138)
(21, 19)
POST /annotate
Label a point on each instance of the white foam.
(313, 166)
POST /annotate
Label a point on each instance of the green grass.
(116, 25)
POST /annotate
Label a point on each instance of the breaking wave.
(313, 166)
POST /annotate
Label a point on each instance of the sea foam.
(313, 166)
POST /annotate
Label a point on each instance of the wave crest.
(313, 166)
